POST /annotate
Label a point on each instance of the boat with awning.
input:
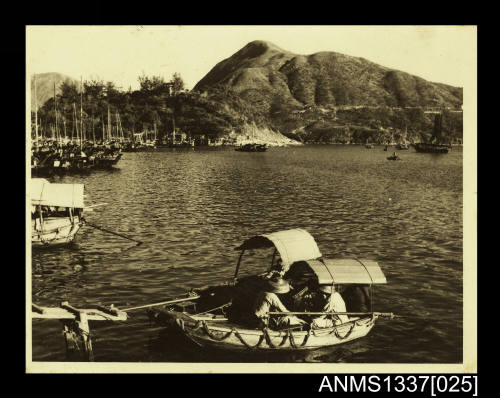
(215, 316)
(56, 212)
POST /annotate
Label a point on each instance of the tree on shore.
(158, 105)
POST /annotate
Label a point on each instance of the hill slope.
(45, 86)
(325, 78)
(293, 93)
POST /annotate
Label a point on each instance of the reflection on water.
(191, 208)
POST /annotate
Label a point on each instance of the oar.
(111, 232)
(386, 314)
(180, 300)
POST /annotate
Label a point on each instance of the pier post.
(77, 332)
(84, 331)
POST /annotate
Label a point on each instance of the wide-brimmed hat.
(326, 289)
(278, 285)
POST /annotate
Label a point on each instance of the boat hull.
(107, 162)
(55, 232)
(431, 148)
(252, 148)
(227, 336)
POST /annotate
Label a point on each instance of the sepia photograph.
(251, 199)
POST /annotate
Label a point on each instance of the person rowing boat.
(268, 300)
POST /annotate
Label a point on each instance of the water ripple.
(191, 208)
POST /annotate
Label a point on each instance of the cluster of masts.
(63, 153)
(86, 132)
(78, 131)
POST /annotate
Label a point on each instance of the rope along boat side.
(220, 316)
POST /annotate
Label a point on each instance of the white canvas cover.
(292, 245)
(64, 195)
(347, 270)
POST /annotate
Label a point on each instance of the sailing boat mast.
(116, 121)
(119, 129)
(81, 113)
(55, 111)
(75, 123)
(64, 123)
(438, 125)
(109, 125)
(173, 124)
(36, 118)
(93, 133)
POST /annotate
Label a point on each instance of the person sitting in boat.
(276, 270)
(268, 300)
(332, 302)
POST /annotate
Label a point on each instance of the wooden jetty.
(75, 321)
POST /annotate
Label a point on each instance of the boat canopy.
(344, 271)
(63, 195)
(293, 245)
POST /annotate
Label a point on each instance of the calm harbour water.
(192, 207)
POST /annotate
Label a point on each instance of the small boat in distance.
(251, 145)
(56, 212)
(252, 148)
(369, 146)
(221, 316)
(394, 156)
(431, 148)
(108, 155)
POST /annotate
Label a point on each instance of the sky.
(444, 54)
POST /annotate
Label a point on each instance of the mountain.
(45, 86)
(324, 78)
(291, 92)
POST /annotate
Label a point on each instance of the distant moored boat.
(435, 145)
(252, 148)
